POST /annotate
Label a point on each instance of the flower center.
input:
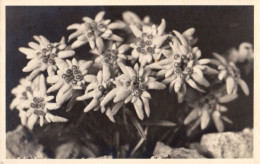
(110, 56)
(144, 44)
(137, 85)
(181, 63)
(73, 75)
(95, 29)
(38, 105)
(48, 54)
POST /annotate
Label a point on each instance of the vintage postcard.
(172, 81)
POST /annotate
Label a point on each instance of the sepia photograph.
(129, 82)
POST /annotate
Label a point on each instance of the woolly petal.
(200, 80)
(73, 26)
(220, 58)
(123, 48)
(138, 108)
(227, 98)
(177, 85)
(209, 70)
(31, 121)
(30, 53)
(60, 99)
(158, 41)
(217, 121)
(109, 96)
(44, 40)
(230, 84)
(194, 114)
(52, 106)
(55, 87)
(106, 72)
(66, 54)
(78, 43)
(110, 115)
(42, 85)
(156, 85)
(121, 96)
(116, 25)
(116, 107)
(182, 93)
(131, 18)
(90, 78)
(161, 27)
(222, 74)
(100, 16)
(100, 44)
(205, 118)
(243, 86)
(91, 105)
(169, 80)
(32, 65)
(34, 46)
(55, 118)
(204, 61)
(53, 79)
(221, 108)
(86, 96)
(41, 120)
(136, 31)
(189, 32)
(181, 38)
(146, 94)
(115, 38)
(194, 85)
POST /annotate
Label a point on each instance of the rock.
(21, 144)
(229, 144)
(163, 151)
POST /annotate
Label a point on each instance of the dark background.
(218, 28)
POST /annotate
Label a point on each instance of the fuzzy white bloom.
(44, 55)
(94, 31)
(132, 87)
(229, 72)
(183, 66)
(148, 42)
(209, 107)
(97, 89)
(111, 56)
(38, 106)
(70, 77)
(20, 93)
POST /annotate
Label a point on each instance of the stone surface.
(21, 144)
(163, 151)
(229, 144)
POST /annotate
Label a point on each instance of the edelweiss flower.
(44, 55)
(38, 106)
(132, 86)
(99, 86)
(188, 34)
(231, 74)
(148, 43)
(70, 76)
(112, 55)
(20, 93)
(183, 66)
(208, 107)
(94, 31)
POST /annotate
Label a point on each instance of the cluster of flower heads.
(124, 70)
